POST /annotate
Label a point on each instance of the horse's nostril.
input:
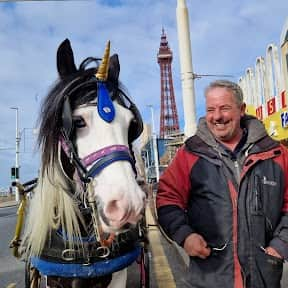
(112, 207)
(127, 226)
(116, 210)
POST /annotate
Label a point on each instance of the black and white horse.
(82, 227)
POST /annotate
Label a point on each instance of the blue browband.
(96, 269)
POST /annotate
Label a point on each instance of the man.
(224, 197)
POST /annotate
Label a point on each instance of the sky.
(226, 37)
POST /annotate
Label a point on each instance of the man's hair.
(232, 86)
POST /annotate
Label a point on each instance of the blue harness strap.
(96, 269)
(109, 159)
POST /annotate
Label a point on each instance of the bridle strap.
(109, 159)
(91, 158)
(72, 155)
(103, 158)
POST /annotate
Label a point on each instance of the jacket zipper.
(238, 173)
(235, 202)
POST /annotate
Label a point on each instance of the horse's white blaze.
(121, 198)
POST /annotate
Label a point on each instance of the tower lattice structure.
(169, 123)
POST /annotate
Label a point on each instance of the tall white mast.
(187, 75)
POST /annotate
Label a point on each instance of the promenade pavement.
(8, 203)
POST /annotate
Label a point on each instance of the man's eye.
(226, 108)
(79, 122)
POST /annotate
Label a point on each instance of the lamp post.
(22, 135)
(154, 143)
(17, 152)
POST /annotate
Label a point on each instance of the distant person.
(224, 197)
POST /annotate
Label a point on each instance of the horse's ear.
(65, 59)
(114, 68)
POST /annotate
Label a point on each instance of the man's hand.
(271, 251)
(195, 245)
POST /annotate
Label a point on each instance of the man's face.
(223, 114)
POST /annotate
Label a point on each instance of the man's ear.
(114, 68)
(65, 59)
(243, 109)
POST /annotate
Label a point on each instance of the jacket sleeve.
(173, 194)
(280, 240)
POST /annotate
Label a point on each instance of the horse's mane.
(50, 208)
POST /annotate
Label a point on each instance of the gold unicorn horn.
(102, 72)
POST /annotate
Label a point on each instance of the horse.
(83, 218)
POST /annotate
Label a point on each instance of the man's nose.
(217, 115)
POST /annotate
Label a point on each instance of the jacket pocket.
(269, 270)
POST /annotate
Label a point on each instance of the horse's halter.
(107, 155)
(98, 160)
(98, 86)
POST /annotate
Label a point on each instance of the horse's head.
(88, 125)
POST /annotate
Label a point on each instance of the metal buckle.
(103, 252)
(70, 254)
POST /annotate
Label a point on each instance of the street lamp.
(154, 143)
(17, 153)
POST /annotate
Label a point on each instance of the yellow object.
(102, 72)
(14, 244)
(251, 110)
(275, 124)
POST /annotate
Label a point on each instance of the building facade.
(265, 88)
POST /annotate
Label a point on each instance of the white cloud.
(226, 38)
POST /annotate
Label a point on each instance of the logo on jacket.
(265, 181)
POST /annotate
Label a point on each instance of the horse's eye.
(79, 122)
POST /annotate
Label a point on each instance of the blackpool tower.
(169, 123)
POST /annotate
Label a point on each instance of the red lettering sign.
(271, 106)
(283, 99)
(259, 113)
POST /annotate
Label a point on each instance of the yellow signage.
(276, 124)
(251, 110)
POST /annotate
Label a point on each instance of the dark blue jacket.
(239, 204)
